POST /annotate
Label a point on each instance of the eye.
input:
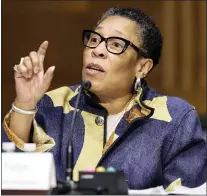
(94, 40)
(117, 45)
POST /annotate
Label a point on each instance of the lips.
(95, 67)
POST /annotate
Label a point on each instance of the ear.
(143, 67)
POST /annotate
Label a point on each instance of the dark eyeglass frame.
(127, 43)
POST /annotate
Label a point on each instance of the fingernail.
(53, 68)
(36, 69)
(21, 61)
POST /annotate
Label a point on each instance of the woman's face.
(118, 71)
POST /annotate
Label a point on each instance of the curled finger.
(21, 70)
(28, 64)
(35, 61)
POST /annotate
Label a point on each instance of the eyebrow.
(115, 31)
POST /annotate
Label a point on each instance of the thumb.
(48, 77)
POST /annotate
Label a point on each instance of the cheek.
(86, 55)
(124, 70)
(123, 65)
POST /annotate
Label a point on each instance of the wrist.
(24, 105)
(21, 111)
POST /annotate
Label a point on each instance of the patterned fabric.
(158, 140)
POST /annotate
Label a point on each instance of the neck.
(115, 105)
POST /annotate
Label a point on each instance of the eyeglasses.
(115, 45)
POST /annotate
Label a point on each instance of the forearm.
(21, 124)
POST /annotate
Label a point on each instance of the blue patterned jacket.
(158, 140)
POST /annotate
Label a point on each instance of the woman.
(121, 122)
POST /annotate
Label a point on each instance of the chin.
(96, 86)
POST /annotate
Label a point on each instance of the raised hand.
(31, 82)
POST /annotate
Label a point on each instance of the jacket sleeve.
(37, 135)
(186, 157)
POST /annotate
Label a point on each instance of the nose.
(100, 51)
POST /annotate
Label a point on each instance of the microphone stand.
(69, 187)
(69, 170)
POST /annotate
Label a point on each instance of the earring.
(137, 84)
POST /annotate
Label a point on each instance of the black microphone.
(86, 85)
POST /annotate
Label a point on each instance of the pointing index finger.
(41, 53)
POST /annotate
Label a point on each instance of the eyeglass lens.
(113, 45)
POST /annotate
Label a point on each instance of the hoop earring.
(137, 84)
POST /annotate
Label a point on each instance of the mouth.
(93, 69)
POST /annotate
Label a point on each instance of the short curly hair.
(151, 37)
